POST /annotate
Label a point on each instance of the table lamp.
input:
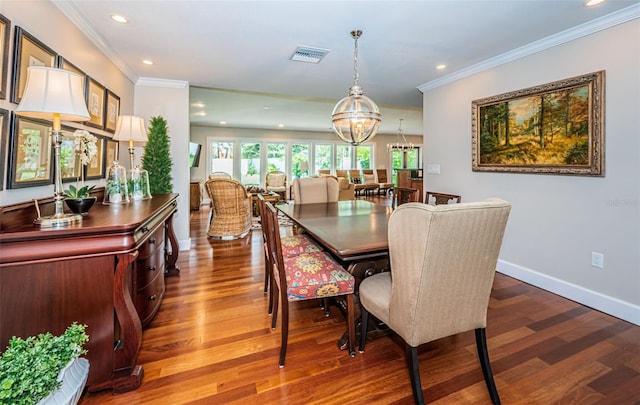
(131, 128)
(57, 95)
(304, 167)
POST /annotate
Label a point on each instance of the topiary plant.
(157, 159)
(29, 367)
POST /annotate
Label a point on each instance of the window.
(221, 157)
(323, 157)
(363, 156)
(276, 154)
(299, 156)
(343, 157)
(250, 163)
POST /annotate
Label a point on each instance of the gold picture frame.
(554, 128)
(28, 51)
(111, 152)
(69, 165)
(111, 111)
(96, 169)
(95, 95)
(31, 153)
(63, 63)
(5, 29)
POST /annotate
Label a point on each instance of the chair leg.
(414, 374)
(364, 320)
(483, 354)
(275, 297)
(285, 333)
(351, 324)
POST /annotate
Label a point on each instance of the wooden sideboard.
(106, 272)
(406, 180)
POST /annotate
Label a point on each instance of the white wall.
(557, 221)
(170, 100)
(44, 21)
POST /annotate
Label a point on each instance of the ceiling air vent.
(308, 54)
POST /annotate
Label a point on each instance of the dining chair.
(435, 198)
(384, 186)
(291, 246)
(220, 175)
(311, 190)
(313, 275)
(231, 209)
(443, 260)
(403, 195)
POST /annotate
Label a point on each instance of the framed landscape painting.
(555, 128)
(30, 154)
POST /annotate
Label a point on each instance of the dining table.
(354, 232)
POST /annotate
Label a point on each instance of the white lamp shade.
(130, 128)
(52, 91)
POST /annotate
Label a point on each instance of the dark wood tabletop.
(351, 230)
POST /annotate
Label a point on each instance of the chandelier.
(403, 146)
(356, 118)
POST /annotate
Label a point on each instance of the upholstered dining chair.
(291, 246)
(443, 260)
(403, 195)
(231, 209)
(434, 198)
(311, 190)
(276, 182)
(384, 186)
(314, 275)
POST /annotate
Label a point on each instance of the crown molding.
(579, 31)
(155, 82)
(72, 13)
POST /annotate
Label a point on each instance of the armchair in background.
(231, 209)
(384, 186)
(434, 198)
(276, 181)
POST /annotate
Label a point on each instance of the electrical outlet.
(597, 260)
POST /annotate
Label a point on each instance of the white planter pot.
(73, 377)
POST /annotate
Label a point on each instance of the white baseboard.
(609, 305)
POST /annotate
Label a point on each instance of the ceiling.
(235, 54)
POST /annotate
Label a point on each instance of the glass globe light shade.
(356, 118)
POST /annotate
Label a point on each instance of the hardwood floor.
(211, 343)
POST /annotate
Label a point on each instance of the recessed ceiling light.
(147, 62)
(441, 67)
(223, 122)
(200, 114)
(280, 125)
(266, 107)
(591, 3)
(119, 18)
(198, 104)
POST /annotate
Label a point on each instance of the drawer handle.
(152, 298)
(144, 229)
(152, 268)
(152, 241)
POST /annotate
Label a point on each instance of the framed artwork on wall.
(4, 135)
(112, 152)
(28, 51)
(96, 169)
(5, 29)
(554, 128)
(69, 166)
(30, 154)
(62, 63)
(112, 110)
(95, 103)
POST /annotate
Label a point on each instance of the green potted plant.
(33, 370)
(157, 157)
(77, 198)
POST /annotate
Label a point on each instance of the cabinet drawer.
(148, 299)
(148, 267)
(152, 242)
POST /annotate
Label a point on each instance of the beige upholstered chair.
(220, 175)
(231, 209)
(369, 181)
(346, 190)
(443, 260)
(311, 190)
(277, 182)
(433, 198)
(342, 173)
(384, 186)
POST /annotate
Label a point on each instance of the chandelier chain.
(355, 35)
